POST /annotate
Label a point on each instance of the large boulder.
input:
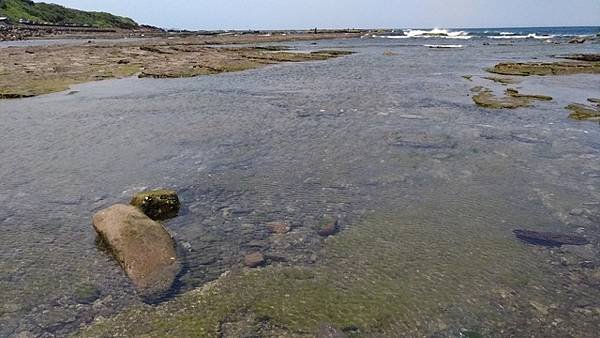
(142, 246)
(157, 204)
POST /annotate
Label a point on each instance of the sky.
(296, 14)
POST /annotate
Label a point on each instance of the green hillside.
(49, 13)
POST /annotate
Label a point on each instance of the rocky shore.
(31, 71)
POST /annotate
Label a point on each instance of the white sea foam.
(434, 33)
(444, 46)
(528, 36)
(437, 33)
(391, 36)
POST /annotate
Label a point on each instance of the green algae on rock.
(515, 93)
(157, 204)
(545, 68)
(584, 112)
(512, 99)
(59, 67)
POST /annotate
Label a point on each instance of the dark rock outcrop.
(549, 238)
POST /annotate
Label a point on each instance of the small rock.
(254, 260)
(279, 227)
(157, 204)
(327, 227)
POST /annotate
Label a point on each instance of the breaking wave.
(434, 33)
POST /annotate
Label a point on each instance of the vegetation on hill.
(41, 12)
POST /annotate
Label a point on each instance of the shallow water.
(342, 137)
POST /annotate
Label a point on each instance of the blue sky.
(275, 14)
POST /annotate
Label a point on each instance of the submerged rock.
(157, 204)
(327, 227)
(254, 260)
(142, 246)
(549, 238)
(279, 227)
(594, 100)
(427, 140)
(86, 293)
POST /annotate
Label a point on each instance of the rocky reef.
(32, 71)
(511, 100)
(584, 112)
(546, 68)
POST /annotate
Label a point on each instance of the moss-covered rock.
(546, 68)
(584, 112)
(512, 99)
(157, 204)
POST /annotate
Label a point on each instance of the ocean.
(495, 33)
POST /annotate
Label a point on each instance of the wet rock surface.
(142, 247)
(157, 204)
(582, 57)
(546, 68)
(584, 112)
(424, 140)
(512, 99)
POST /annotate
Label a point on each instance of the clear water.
(342, 137)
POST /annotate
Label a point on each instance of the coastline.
(427, 188)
